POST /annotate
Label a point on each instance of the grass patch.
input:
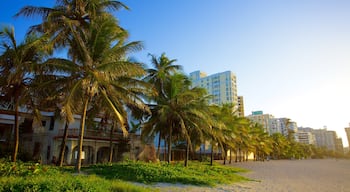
(195, 174)
(32, 177)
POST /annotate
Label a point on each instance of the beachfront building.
(305, 137)
(347, 130)
(240, 106)
(41, 141)
(339, 147)
(266, 120)
(325, 138)
(321, 138)
(223, 86)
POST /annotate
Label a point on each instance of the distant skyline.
(291, 58)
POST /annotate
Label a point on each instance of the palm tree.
(217, 132)
(181, 110)
(261, 141)
(195, 118)
(96, 45)
(67, 17)
(18, 66)
(159, 75)
(163, 68)
(100, 72)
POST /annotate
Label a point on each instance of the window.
(52, 123)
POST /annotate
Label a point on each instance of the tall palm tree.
(18, 63)
(195, 118)
(158, 76)
(97, 49)
(218, 130)
(67, 16)
(181, 109)
(163, 68)
(100, 71)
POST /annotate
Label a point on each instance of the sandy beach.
(317, 175)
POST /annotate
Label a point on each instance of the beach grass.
(113, 177)
(196, 173)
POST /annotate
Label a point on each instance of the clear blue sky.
(291, 57)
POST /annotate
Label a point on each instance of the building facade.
(240, 106)
(347, 130)
(305, 137)
(222, 86)
(41, 141)
(266, 120)
(325, 138)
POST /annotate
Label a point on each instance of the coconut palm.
(163, 68)
(261, 141)
(68, 16)
(99, 71)
(18, 64)
(216, 136)
(158, 76)
(195, 118)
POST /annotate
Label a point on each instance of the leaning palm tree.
(18, 63)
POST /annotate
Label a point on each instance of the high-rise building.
(240, 106)
(305, 137)
(325, 138)
(339, 147)
(347, 130)
(222, 86)
(266, 120)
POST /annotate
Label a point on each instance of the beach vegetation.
(112, 177)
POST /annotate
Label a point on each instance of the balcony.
(96, 135)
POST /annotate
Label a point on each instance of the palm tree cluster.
(98, 77)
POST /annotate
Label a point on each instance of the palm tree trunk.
(225, 153)
(111, 145)
(81, 136)
(158, 148)
(230, 156)
(240, 154)
(15, 151)
(211, 154)
(169, 144)
(236, 158)
(63, 145)
(187, 154)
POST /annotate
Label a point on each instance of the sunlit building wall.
(222, 86)
(339, 147)
(325, 138)
(305, 137)
(240, 106)
(347, 130)
(266, 120)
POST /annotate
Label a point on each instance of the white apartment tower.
(222, 86)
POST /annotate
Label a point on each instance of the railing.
(95, 134)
